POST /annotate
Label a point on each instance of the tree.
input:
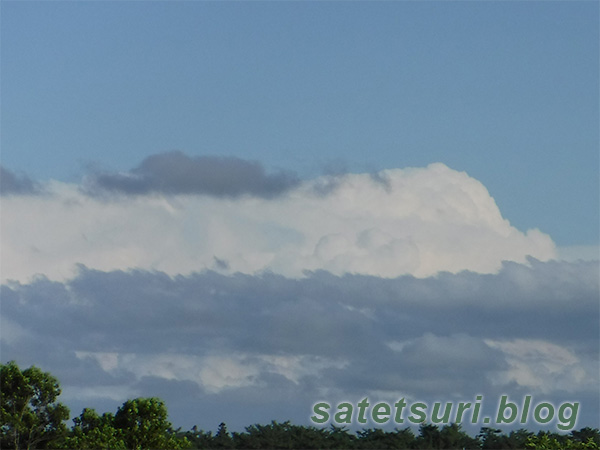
(284, 436)
(453, 436)
(30, 416)
(144, 425)
(92, 431)
(492, 439)
(429, 437)
(587, 434)
(547, 441)
(339, 437)
(223, 439)
(376, 438)
(199, 438)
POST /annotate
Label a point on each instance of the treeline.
(288, 436)
(32, 418)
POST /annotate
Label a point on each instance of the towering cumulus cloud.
(246, 297)
(228, 215)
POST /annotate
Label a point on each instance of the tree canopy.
(30, 416)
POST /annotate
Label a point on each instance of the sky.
(249, 207)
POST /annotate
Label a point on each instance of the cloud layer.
(400, 221)
(257, 348)
(244, 297)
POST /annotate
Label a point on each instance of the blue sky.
(245, 208)
(507, 92)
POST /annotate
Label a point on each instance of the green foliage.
(95, 432)
(30, 416)
(287, 436)
(492, 438)
(143, 425)
(223, 439)
(448, 437)
(138, 424)
(339, 437)
(281, 436)
(554, 441)
(586, 434)
(199, 438)
(454, 437)
(375, 438)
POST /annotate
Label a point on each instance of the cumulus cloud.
(13, 184)
(265, 294)
(252, 348)
(175, 173)
(418, 221)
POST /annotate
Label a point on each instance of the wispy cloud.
(13, 184)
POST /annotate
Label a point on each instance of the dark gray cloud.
(177, 173)
(424, 337)
(13, 184)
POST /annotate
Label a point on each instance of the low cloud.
(175, 173)
(13, 184)
(252, 348)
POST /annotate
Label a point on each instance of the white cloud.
(542, 366)
(419, 222)
(212, 373)
(78, 393)
(108, 361)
